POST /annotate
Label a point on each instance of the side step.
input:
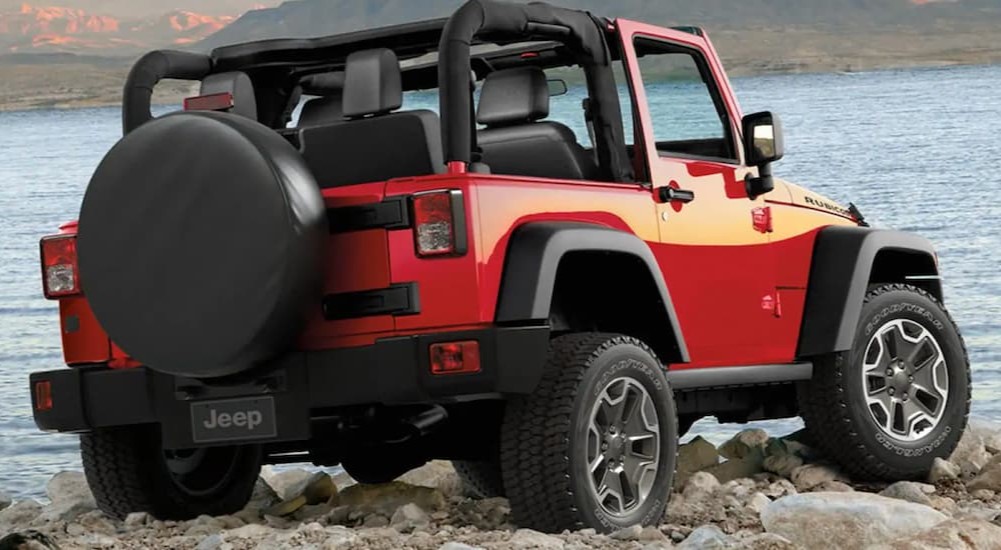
(724, 377)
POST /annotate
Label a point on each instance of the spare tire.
(200, 244)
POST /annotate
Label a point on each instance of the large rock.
(811, 475)
(971, 453)
(989, 432)
(957, 534)
(700, 486)
(989, 478)
(264, 496)
(780, 488)
(708, 537)
(284, 482)
(317, 488)
(5, 500)
(698, 454)
(758, 502)
(764, 541)
(743, 444)
(285, 507)
(70, 496)
(437, 474)
(410, 517)
(20, 513)
(910, 491)
(845, 520)
(943, 470)
(782, 464)
(526, 538)
(737, 468)
(387, 498)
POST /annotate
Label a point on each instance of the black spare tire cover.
(200, 244)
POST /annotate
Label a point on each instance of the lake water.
(917, 150)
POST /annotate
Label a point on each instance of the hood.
(805, 198)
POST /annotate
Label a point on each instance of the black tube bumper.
(279, 403)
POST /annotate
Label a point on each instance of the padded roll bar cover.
(483, 17)
(200, 242)
(150, 70)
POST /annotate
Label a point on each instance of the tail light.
(440, 223)
(60, 270)
(455, 358)
(43, 396)
(212, 102)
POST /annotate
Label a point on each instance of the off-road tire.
(833, 405)
(127, 471)
(480, 478)
(544, 435)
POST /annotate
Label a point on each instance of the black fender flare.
(533, 259)
(843, 259)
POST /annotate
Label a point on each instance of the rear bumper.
(301, 386)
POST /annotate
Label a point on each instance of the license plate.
(233, 420)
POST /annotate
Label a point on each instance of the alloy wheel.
(905, 380)
(623, 446)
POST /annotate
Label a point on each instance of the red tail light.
(440, 223)
(213, 102)
(43, 395)
(455, 358)
(60, 271)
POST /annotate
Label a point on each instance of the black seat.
(239, 85)
(375, 143)
(328, 106)
(512, 102)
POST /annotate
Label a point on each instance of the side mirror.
(763, 145)
(557, 87)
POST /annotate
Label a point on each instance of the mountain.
(45, 29)
(306, 18)
(133, 9)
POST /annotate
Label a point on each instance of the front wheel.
(595, 445)
(128, 471)
(900, 397)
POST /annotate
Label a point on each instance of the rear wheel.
(128, 471)
(595, 445)
(900, 397)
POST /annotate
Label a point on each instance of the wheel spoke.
(642, 418)
(611, 487)
(875, 389)
(929, 359)
(893, 342)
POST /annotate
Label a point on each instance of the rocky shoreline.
(753, 492)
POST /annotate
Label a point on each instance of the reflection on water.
(915, 150)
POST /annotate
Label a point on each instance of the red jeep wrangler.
(376, 287)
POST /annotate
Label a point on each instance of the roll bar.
(577, 29)
(147, 72)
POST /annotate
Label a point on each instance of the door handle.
(670, 194)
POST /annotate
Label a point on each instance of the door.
(713, 247)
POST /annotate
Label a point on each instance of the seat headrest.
(373, 84)
(323, 84)
(239, 85)
(513, 96)
(322, 110)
